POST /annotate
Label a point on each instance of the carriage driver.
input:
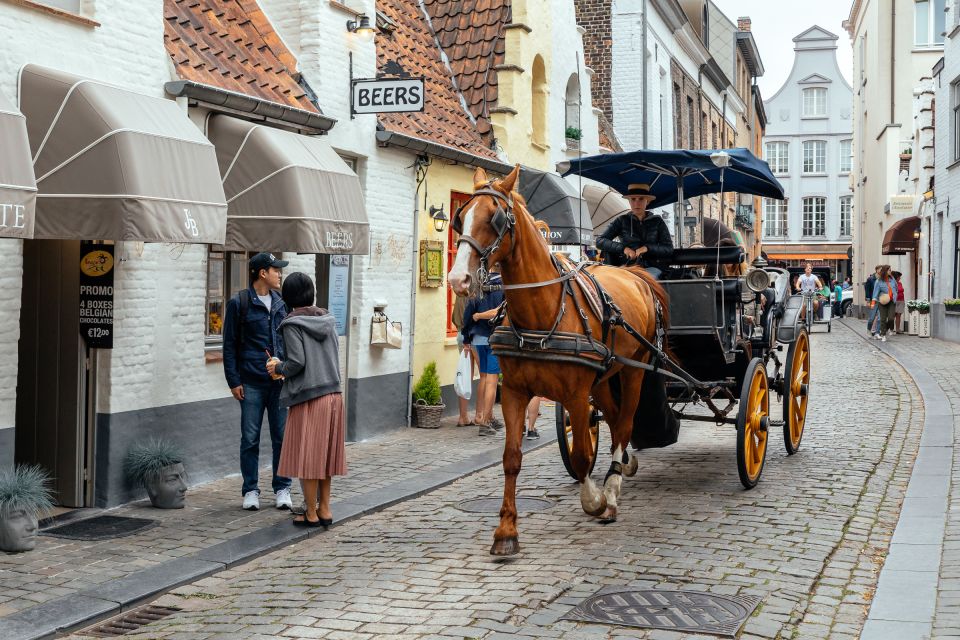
(639, 238)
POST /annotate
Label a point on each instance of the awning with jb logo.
(287, 191)
(18, 191)
(112, 164)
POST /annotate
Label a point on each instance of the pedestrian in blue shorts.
(477, 327)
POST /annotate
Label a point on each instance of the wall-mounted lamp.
(361, 27)
(440, 219)
(916, 234)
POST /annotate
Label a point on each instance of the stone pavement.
(809, 540)
(59, 573)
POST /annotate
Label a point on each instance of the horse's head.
(486, 224)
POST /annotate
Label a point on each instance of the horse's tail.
(660, 294)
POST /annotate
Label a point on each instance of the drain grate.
(100, 528)
(674, 610)
(130, 622)
(492, 505)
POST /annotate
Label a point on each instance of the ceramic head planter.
(24, 495)
(157, 466)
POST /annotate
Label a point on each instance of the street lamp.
(440, 219)
(361, 26)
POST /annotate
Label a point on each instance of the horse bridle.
(503, 221)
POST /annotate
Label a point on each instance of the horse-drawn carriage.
(615, 344)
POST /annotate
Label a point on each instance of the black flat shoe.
(325, 522)
(308, 523)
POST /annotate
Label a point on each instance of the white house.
(808, 146)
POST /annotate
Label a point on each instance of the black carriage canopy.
(679, 173)
(555, 201)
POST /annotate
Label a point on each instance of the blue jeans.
(255, 401)
(871, 318)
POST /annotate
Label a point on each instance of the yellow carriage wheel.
(752, 421)
(565, 437)
(796, 385)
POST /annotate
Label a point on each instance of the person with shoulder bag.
(314, 449)
(885, 298)
(456, 318)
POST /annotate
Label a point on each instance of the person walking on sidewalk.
(868, 291)
(533, 412)
(251, 334)
(313, 449)
(901, 303)
(456, 318)
(476, 332)
(885, 297)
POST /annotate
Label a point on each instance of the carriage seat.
(706, 255)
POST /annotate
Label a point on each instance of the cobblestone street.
(809, 540)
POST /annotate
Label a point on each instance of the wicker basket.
(427, 416)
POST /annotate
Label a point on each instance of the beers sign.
(96, 295)
(387, 95)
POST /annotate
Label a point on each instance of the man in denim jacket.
(251, 334)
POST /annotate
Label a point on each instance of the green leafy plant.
(952, 303)
(907, 152)
(921, 306)
(146, 460)
(27, 488)
(573, 133)
(427, 388)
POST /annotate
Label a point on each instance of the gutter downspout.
(893, 57)
(643, 87)
(424, 165)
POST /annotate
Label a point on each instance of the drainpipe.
(643, 87)
(893, 58)
(421, 163)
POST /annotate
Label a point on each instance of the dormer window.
(815, 102)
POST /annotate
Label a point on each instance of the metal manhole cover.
(674, 610)
(100, 528)
(492, 505)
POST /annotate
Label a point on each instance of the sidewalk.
(918, 594)
(63, 583)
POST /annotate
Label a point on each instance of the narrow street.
(809, 540)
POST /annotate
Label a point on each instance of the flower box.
(923, 325)
(912, 322)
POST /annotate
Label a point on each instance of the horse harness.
(561, 346)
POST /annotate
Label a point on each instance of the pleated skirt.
(313, 440)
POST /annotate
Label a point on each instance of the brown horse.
(498, 229)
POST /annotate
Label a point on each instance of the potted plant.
(157, 466)
(906, 154)
(573, 133)
(24, 495)
(920, 316)
(427, 403)
(952, 305)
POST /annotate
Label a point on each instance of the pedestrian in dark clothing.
(476, 331)
(313, 445)
(901, 303)
(637, 237)
(885, 299)
(251, 335)
(873, 313)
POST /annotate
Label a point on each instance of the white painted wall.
(943, 217)
(567, 51)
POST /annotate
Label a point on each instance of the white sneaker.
(883, 339)
(251, 501)
(283, 500)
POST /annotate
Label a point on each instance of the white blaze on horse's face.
(463, 269)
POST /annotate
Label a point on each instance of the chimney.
(743, 23)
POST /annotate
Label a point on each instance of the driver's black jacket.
(628, 231)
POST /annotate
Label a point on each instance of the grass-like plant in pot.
(427, 402)
(157, 466)
(24, 495)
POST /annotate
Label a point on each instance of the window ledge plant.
(952, 304)
(573, 133)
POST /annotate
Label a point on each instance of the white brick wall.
(945, 216)
(127, 50)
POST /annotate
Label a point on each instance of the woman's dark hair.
(884, 272)
(298, 291)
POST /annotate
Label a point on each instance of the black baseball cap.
(265, 261)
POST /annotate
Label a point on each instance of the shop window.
(814, 217)
(777, 156)
(814, 102)
(457, 200)
(538, 113)
(930, 21)
(226, 275)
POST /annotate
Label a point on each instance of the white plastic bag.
(463, 385)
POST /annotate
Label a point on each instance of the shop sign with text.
(96, 295)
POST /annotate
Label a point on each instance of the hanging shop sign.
(386, 95)
(96, 295)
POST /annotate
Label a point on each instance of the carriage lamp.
(440, 219)
(361, 27)
(757, 280)
(916, 234)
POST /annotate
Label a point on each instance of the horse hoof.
(596, 513)
(631, 469)
(505, 547)
(609, 516)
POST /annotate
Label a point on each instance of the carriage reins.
(554, 345)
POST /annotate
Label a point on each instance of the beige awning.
(604, 205)
(18, 191)
(116, 165)
(287, 192)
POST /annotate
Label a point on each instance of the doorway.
(53, 373)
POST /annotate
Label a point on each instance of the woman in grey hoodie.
(313, 443)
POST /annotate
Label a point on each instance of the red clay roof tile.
(230, 44)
